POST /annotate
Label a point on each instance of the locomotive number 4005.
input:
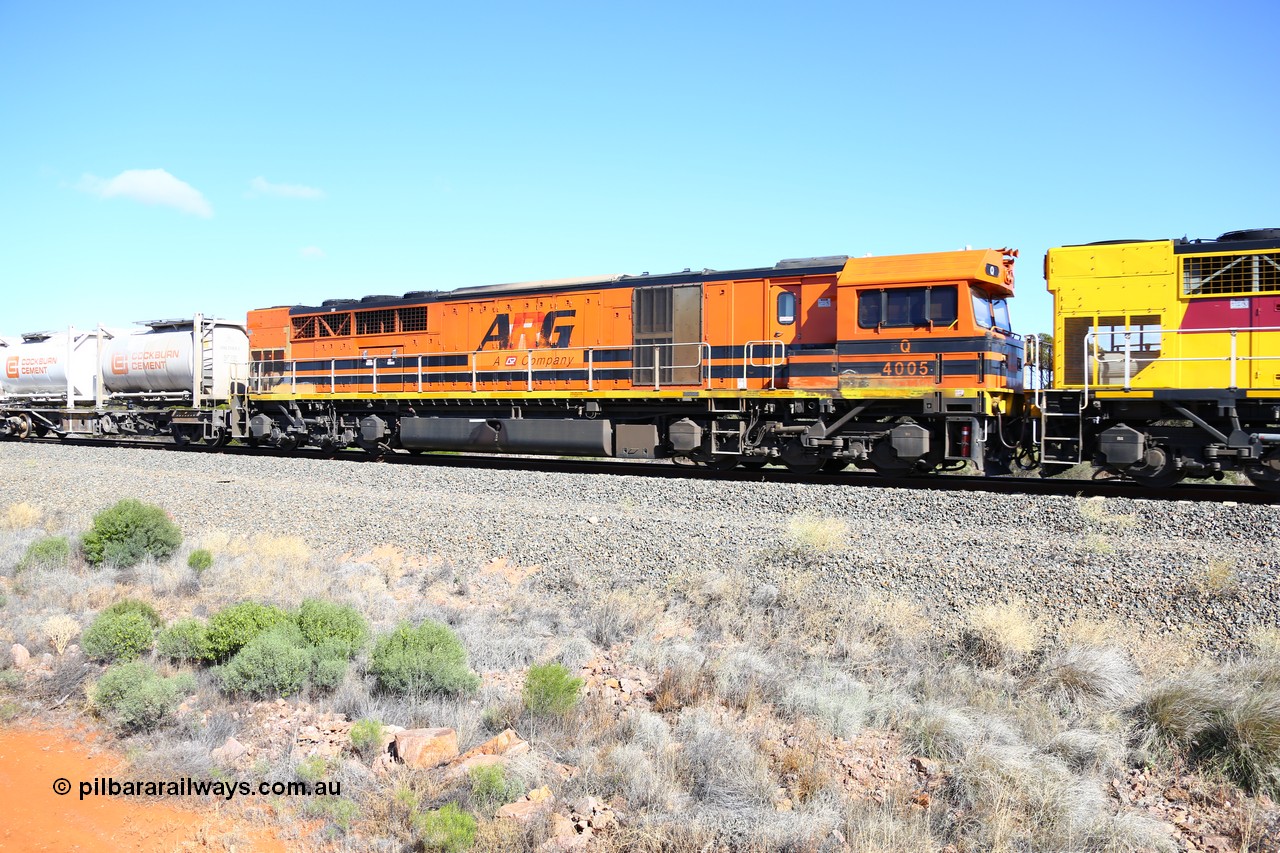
(907, 368)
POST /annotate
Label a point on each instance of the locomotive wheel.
(800, 461)
(1157, 471)
(885, 462)
(1267, 475)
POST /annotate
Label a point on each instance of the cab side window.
(907, 307)
(786, 308)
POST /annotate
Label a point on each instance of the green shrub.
(491, 788)
(366, 737)
(48, 553)
(275, 662)
(447, 830)
(185, 640)
(329, 673)
(324, 623)
(124, 534)
(550, 690)
(117, 637)
(199, 560)
(231, 628)
(136, 698)
(426, 659)
(133, 605)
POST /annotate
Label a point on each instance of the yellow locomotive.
(1167, 358)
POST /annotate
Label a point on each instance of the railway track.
(1029, 485)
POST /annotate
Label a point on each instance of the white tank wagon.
(51, 365)
(182, 378)
(162, 360)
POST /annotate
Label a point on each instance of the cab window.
(907, 307)
(786, 308)
(1000, 312)
(982, 309)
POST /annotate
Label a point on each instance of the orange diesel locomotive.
(902, 364)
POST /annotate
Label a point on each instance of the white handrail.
(1233, 358)
(287, 371)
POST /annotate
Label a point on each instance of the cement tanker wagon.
(51, 365)
(169, 359)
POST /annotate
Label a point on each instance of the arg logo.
(531, 330)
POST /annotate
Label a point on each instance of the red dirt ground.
(34, 818)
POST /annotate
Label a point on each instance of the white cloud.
(261, 186)
(149, 186)
(313, 252)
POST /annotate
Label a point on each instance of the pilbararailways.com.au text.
(188, 787)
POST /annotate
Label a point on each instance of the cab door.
(767, 359)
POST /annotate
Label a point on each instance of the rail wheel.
(22, 429)
(754, 463)
(183, 435)
(1267, 475)
(885, 462)
(1159, 470)
(835, 466)
(800, 460)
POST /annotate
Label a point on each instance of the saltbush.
(199, 560)
(366, 737)
(422, 660)
(232, 628)
(550, 690)
(124, 534)
(447, 830)
(136, 698)
(338, 626)
(275, 662)
(184, 640)
(117, 636)
(280, 661)
(48, 553)
(133, 605)
(491, 788)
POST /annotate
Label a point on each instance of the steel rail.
(1027, 485)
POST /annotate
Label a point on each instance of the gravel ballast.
(1203, 567)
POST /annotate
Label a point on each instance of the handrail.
(1233, 358)
(287, 371)
(774, 360)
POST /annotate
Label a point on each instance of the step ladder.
(726, 434)
(1061, 427)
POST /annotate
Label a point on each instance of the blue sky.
(158, 159)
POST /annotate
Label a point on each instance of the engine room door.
(667, 326)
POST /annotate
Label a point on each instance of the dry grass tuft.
(1000, 634)
(823, 535)
(60, 631)
(22, 516)
(1088, 673)
(1097, 513)
(1217, 579)
(621, 615)
(1265, 642)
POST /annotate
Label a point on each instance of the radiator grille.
(1205, 275)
